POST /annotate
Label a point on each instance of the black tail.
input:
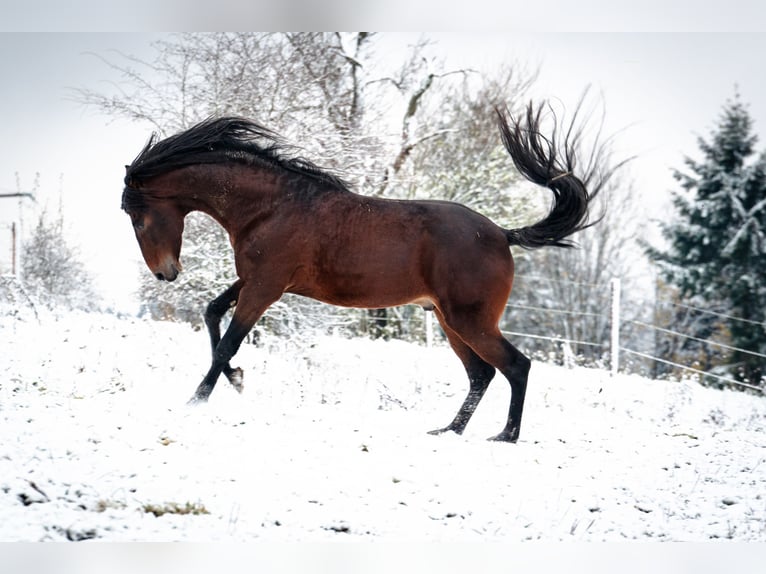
(538, 158)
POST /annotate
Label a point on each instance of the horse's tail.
(538, 159)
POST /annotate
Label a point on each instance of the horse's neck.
(233, 198)
(237, 195)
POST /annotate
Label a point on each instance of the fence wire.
(553, 339)
(642, 324)
(692, 369)
(715, 313)
(413, 324)
(698, 339)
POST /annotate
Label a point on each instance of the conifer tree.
(716, 254)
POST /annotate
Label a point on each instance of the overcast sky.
(661, 90)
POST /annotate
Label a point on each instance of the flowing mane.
(221, 140)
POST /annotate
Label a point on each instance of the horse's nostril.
(159, 276)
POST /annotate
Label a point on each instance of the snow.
(328, 442)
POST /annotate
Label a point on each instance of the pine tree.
(716, 252)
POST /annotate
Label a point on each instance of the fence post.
(429, 328)
(615, 314)
(14, 267)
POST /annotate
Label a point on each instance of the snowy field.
(328, 442)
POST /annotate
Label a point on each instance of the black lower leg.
(517, 376)
(480, 374)
(213, 315)
(225, 350)
(202, 394)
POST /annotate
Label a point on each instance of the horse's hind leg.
(515, 367)
(213, 314)
(479, 331)
(496, 350)
(479, 373)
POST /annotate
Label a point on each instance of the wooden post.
(429, 318)
(615, 339)
(13, 248)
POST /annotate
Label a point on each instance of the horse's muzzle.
(162, 277)
(168, 272)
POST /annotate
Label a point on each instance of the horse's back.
(439, 249)
(361, 251)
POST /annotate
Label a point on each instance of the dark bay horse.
(298, 229)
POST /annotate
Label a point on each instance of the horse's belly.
(366, 291)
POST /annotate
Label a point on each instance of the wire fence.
(612, 339)
(622, 337)
(699, 339)
(639, 336)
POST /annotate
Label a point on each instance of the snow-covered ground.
(328, 442)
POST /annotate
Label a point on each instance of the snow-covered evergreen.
(717, 242)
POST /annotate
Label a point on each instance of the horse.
(296, 228)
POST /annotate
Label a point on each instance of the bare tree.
(328, 93)
(463, 158)
(566, 292)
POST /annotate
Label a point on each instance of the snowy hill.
(328, 442)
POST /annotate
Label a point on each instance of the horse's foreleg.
(213, 314)
(250, 307)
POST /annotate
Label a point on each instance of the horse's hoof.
(437, 432)
(504, 437)
(196, 400)
(235, 378)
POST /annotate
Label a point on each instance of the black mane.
(218, 140)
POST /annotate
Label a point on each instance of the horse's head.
(158, 224)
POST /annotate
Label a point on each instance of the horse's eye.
(137, 220)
